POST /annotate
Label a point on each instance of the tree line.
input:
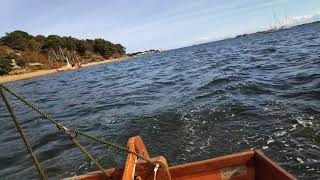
(47, 50)
(23, 41)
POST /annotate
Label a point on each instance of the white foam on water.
(82, 165)
(300, 160)
(270, 141)
(303, 122)
(294, 127)
(245, 140)
(314, 146)
(281, 133)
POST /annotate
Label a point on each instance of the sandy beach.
(10, 78)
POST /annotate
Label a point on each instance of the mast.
(276, 19)
(286, 18)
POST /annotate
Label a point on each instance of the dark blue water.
(188, 104)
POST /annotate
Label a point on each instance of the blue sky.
(149, 24)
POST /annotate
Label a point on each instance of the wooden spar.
(143, 170)
(135, 144)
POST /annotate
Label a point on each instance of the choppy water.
(188, 104)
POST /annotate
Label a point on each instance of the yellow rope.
(102, 141)
(86, 153)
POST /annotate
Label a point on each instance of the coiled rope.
(71, 132)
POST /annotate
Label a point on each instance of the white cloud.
(308, 18)
(210, 37)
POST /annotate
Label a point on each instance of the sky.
(153, 24)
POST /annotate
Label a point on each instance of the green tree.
(120, 49)
(35, 45)
(81, 47)
(90, 45)
(40, 38)
(5, 65)
(53, 42)
(70, 43)
(17, 40)
(103, 47)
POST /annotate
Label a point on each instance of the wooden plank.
(97, 175)
(215, 175)
(268, 170)
(211, 165)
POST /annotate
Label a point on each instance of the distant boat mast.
(276, 19)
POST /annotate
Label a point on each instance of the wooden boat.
(252, 164)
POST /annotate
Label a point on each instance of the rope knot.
(70, 132)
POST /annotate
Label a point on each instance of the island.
(23, 55)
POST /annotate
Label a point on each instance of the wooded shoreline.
(11, 78)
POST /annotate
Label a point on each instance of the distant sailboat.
(278, 25)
